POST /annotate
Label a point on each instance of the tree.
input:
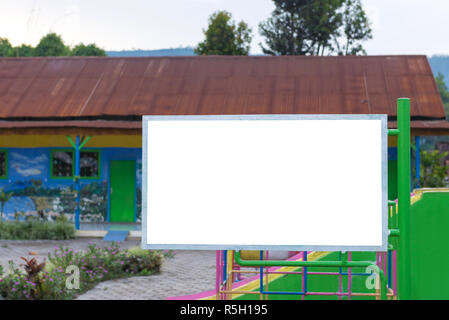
(51, 45)
(323, 20)
(87, 50)
(315, 27)
(224, 37)
(5, 48)
(444, 92)
(283, 34)
(23, 51)
(356, 28)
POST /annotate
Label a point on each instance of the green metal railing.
(344, 263)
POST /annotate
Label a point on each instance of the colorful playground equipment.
(389, 270)
(408, 270)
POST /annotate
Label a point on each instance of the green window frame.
(82, 170)
(4, 163)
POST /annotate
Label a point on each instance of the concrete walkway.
(188, 272)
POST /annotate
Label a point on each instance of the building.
(52, 107)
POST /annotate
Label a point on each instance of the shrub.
(433, 169)
(95, 265)
(17, 285)
(36, 230)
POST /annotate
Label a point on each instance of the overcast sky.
(399, 26)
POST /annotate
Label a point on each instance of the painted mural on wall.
(36, 193)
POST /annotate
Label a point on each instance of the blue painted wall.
(34, 189)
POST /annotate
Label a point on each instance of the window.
(89, 161)
(63, 164)
(3, 164)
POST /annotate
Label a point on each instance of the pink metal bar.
(349, 278)
(340, 285)
(222, 272)
(217, 273)
(303, 285)
(394, 280)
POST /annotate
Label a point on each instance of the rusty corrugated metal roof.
(105, 87)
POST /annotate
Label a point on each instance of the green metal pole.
(84, 141)
(404, 274)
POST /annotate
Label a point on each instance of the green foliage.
(15, 285)
(6, 49)
(23, 51)
(51, 45)
(87, 50)
(224, 37)
(62, 218)
(137, 251)
(433, 170)
(315, 27)
(443, 90)
(356, 28)
(36, 230)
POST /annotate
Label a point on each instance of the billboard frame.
(384, 181)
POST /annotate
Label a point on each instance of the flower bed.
(54, 279)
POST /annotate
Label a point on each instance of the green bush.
(95, 265)
(433, 169)
(36, 230)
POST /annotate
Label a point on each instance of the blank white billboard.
(265, 182)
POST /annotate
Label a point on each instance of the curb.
(90, 233)
(132, 235)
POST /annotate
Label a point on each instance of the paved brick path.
(187, 273)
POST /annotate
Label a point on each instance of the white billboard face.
(274, 182)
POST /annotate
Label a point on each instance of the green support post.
(404, 274)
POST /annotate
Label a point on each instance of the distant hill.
(187, 51)
(440, 64)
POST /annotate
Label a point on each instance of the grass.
(36, 230)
